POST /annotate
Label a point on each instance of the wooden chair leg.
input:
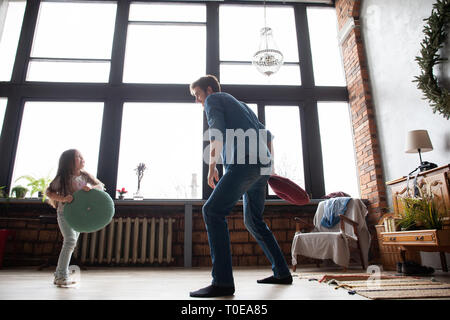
(294, 266)
(361, 256)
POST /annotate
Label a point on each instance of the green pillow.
(89, 211)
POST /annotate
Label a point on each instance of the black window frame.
(115, 93)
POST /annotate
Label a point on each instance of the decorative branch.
(140, 173)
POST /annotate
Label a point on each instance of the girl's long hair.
(62, 183)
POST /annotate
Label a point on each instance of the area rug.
(325, 277)
(383, 287)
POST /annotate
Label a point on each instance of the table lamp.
(418, 141)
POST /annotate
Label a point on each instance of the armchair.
(335, 242)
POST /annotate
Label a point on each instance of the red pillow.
(288, 190)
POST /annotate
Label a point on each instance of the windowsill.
(161, 202)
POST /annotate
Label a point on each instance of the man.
(244, 176)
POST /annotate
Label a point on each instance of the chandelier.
(268, 59)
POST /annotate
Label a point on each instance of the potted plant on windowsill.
(19, 192)
(2, 192)
(37, 185)
(122, 193)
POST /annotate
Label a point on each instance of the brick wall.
(38, 241)
(367, 148)
(366, 143)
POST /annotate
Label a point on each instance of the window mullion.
(312, 150)
(25, 41)
(119, 42)
(10, 138)
(304, 46)
(212, 67)
(112, 115)
(108, 157)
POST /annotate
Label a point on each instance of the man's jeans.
(239, 180)
(69, 243)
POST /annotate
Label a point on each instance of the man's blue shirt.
(236, 120)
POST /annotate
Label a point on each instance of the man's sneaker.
(64, 282)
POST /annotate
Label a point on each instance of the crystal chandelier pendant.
(268, 59)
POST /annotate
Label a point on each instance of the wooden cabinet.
(405, 245)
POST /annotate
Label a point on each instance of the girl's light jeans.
(70, 241)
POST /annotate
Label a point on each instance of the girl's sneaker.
(64, 282)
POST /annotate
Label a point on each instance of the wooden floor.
(164, 284)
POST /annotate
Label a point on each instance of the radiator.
(128, 241)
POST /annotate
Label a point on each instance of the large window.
(284, 124)
(167, 138)
(165, 43)
(72, 42)
(326, 56)
(48, 129)
(11, 16)
(339, 164)
(111, 78)
(239, 40)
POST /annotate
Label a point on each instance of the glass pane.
(253, 107)
(12, 13)
(284, 123)
(240, 31)
(339, 164)
(168, 138)
(167, 12)
(64, 71)
(84, 30)
(165, 54)
(325, 50)
(3, 102)
(247, 74)
(48, 129)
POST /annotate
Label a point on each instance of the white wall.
(392, 32)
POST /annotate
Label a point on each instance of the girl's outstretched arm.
(56, 197)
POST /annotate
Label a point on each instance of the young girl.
(70, 178)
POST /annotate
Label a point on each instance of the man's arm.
(216, 147)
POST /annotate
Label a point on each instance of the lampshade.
(418, 139)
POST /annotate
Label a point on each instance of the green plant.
(429, 215)
(409, 215)
(421, 212)
(36, 185)
(2, 192)
(19, 191)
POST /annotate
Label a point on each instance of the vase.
(137, 195)
(121, 197)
